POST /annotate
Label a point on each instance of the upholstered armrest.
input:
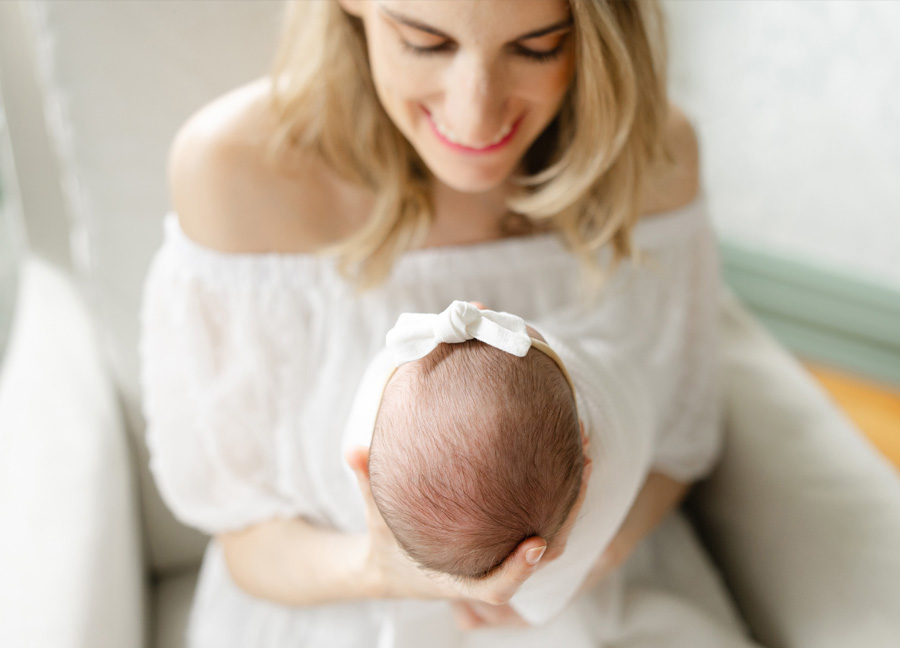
(71, 572)
(803, 515)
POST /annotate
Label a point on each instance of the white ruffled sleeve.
(660, 314)
(211, 398)
(609, 397)
(682, 347)
(644, 360)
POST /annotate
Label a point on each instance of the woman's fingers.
(357, 458)
(401, 575)
(515, 570)
(396, 574)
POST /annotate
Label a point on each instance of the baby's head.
(474, 450)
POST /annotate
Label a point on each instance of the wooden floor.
(873, 407)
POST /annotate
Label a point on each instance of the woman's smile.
(470, 85)
(446, 136)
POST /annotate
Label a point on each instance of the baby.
(476, 443)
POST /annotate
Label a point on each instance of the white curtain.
(11, 236)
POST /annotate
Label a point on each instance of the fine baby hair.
(477, 443)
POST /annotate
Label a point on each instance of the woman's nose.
(474, 102)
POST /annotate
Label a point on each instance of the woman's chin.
(472, 180)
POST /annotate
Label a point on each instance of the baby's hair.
(475, 450)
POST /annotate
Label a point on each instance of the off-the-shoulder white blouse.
(250, 364)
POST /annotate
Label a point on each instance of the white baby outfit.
(620, 433)
(250, 363)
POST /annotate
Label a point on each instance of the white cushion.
(11, 235)
(119, 78)
(803, 514)
(70, 548)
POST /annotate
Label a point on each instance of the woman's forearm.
(658, 496)
(294, 562)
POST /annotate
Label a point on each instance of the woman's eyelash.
(426, 51)
(539, 57)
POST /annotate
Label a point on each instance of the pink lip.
(473, 151)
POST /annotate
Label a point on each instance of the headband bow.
(417, 334)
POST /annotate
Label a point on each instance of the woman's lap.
(659, 619)
(673, 596)
(668, 595)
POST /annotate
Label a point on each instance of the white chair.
(802, 516)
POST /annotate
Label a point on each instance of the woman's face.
(470, 83)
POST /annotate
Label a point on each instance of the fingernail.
(533, 556)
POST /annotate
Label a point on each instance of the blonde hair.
(583, 173)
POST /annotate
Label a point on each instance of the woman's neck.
(461, 218)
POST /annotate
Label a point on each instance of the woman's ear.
(585, 440)
(352, 7)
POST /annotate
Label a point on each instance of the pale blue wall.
(797, 104)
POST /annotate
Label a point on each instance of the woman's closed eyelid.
(516, 48)
(545, 41)
(534, 51)
(439, 48)
(422, 41)
(426, 41)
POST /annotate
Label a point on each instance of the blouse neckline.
(657, 230)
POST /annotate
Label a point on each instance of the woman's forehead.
(480, 20)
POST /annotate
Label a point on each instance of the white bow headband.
(415, 335)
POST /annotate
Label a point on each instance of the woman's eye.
(544, 49)
(425, 50)
(541, 56)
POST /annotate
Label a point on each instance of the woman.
(401, 155)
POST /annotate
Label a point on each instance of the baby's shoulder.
(232, 193)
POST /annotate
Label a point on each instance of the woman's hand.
(394, 575)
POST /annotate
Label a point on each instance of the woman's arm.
(658, 496)
(294, 562)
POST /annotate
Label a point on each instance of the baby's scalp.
(473, 451)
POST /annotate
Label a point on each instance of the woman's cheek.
(557, 84)
(399, 78)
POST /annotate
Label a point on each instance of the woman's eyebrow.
(411, 22)
(543, 31)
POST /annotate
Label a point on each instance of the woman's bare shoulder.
(231, 195)
(671, 185)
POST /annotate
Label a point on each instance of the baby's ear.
(357, 458)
